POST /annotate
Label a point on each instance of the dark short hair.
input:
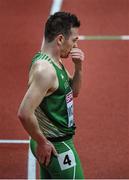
(60, 23)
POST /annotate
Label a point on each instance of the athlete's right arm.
(41, 83)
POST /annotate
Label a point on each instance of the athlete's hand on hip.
(44, 152)
(77, 55)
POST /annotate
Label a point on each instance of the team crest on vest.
(62, 76)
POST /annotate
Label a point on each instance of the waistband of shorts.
(58, 139)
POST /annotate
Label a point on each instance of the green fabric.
(54, 106)
(53, 170)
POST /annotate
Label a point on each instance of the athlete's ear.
(60, 39)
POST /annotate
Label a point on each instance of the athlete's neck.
(52, 51)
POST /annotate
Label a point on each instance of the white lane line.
(56, 6)
(125, 37)
(31, 165)
(7, 141)
(105, 37)
(31, 158)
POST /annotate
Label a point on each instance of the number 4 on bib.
(66, 160)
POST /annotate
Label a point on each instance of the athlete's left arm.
(77, 58)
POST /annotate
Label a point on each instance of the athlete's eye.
(75, 40)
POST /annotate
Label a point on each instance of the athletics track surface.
(101, 110)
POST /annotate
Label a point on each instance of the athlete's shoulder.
(44, 69)
(43, 72)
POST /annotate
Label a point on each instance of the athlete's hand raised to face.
(77, 55)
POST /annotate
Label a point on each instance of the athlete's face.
(69, 43)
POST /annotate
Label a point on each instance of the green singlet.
(55, 113)
(56, 121)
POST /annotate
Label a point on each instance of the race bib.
(66, 160)
(69, 102)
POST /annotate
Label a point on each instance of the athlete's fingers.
(42, 160)
(77, 54)
(75, 50)
(47, 160)
(54, 151)
(80, 57)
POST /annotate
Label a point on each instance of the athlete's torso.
(55, 113)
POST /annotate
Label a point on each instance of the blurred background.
(101, 110)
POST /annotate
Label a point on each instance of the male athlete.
(46, 111)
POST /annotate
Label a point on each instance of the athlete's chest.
(63, 82)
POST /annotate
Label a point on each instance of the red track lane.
(21, 29)
(101, 110)
(101, 17)
(13, 161)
